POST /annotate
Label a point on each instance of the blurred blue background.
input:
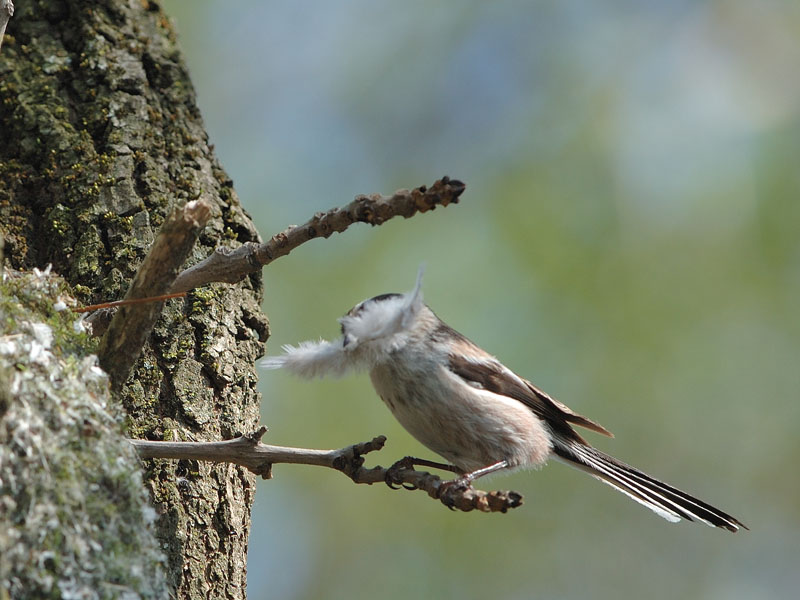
(629, 241)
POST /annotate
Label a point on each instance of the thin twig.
(249, 452)
(131, 325)
(6, 12)
(118, 303)
(230, 266)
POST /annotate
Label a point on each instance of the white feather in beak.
(367, 330)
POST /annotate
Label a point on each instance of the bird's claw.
(394, 478)
(448, 489)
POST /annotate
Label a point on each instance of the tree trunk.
(100, 137)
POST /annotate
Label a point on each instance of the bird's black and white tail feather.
(663, 499)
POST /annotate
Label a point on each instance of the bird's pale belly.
(471, 428)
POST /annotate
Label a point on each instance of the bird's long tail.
(663, 499)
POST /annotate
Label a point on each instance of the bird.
(466, 406)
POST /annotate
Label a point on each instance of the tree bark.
(100, 137)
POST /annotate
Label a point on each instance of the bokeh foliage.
(628, 240)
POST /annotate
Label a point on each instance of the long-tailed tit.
(466, 406)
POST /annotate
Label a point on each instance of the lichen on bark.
(101, 137)
(75, 517)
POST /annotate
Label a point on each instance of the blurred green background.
(629, 241)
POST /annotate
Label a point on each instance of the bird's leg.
(393, 477)
(473, 475)
(466, 479)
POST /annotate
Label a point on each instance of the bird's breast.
(471, 428)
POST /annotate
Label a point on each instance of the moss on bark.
(75, 518)
(101, 136)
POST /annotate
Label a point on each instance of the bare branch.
(231, 266)
(6, 12)
(131, 325)
(249, 452)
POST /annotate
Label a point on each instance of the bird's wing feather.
(477, 367)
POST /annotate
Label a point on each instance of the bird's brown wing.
(482, 370)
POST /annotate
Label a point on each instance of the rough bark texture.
(100, 137)
(75, 516)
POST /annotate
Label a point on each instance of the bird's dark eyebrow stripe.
(383, 297)
(360, 305)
